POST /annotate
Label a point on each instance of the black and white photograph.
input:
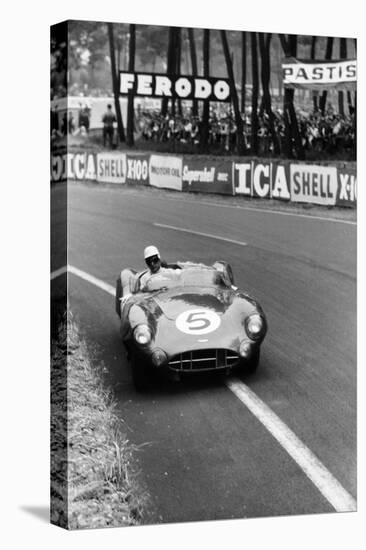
(207, 184)
(192, 324)
(206, 336)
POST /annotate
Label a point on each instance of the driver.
(146, 280)
(156, 271)
(153, 262)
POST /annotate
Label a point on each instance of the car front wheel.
(139, 374)
(250, 366)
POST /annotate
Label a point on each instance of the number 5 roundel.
(197, 321)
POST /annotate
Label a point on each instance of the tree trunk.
(131, 68)
(255, 91)
(312, 57)
(192, 47)
(117, 106)
(170, 55)
(328, 57)
(349, 102)
(234, 96)
(342, 55)
(289, 46)
(264, 46)
(178, 61)
(206, 104)
(243, 69)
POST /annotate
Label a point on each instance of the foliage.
(94, 481)
(89, 47)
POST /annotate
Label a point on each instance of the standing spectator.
(84, 118)
(54, 119)
(71, 123)
(64, 124)
(109, 118)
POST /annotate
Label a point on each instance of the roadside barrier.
(327, 184)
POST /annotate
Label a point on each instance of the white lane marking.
(263, 210)
(325, 482)
(58, 272)
(318, 474)
(209, 235)
(91, 279)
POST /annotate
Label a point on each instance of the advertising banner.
(111, 167)
(137, 170)
(264, 179)
(58, 168)
(174, 86)
(347, 187)
(207, 175)
(166, 172)
(75, 166)
(319, 74)
(313, 184)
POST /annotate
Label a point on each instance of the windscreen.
(172, 278)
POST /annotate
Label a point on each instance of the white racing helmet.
(151, 251)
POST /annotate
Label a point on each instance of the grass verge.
(99, 485)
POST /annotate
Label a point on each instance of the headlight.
(142, 334)
(255, 327)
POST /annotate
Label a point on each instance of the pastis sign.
(319, 74)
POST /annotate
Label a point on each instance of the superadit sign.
(319, 74)
(207, 176)
(174, 86)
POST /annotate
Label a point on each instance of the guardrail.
(327, 184)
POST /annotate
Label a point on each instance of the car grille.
(203, 360)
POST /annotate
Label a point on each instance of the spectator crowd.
(321, 133)
(68, 122)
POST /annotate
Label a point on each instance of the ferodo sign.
(111, 167)
(207, 176)
(347, 187)
(313, 184)
(76, 166)
(174, 86)
(166, 172)
(262, 179)
(137, 170)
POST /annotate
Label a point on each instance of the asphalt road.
(205, 455)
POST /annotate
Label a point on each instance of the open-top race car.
(192, 319)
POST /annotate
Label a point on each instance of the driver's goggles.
(152, 260)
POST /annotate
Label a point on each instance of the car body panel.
(189, 317)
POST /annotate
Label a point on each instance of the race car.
(193, 320)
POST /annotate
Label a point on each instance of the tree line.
(255, 61)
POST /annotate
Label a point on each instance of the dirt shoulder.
(99, 486)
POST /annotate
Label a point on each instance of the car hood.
(174, 302)
(217, 313)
